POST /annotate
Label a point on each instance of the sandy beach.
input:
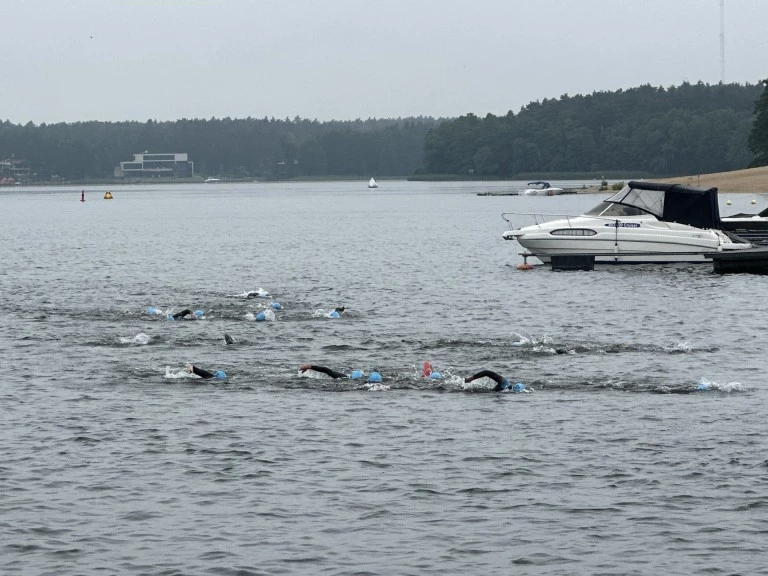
(750, 180)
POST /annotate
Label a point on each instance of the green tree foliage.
(690, 129)
(758, 137)
(224, 147)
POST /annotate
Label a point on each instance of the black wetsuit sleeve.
(181, 314)
(202, 373)
(492, 375)
(324, 370)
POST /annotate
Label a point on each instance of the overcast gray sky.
(344, 59)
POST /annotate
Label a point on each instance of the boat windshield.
(614, 209)
(647, 200)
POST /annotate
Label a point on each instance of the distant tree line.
(236, 148)
(690, 129)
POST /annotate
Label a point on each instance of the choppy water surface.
(641, 449)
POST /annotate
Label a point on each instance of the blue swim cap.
(334, 314)
(260, 317)
(374, 377)
(703, 386)
(152, 310)
(220, 374)
(277, 306)
(199, 313)
(170, 317)
(519, 387)
(356, 374)
(435, 376)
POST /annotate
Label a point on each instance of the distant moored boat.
(372, 184)
(542, 189)
(212, 180)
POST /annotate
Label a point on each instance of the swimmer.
(354, 375)
(336, 312)
(701, 387)
(192, 369)
(427, 372)
(186, 314)
(375, 378)
(501, 382)
(228, 339)
(262, 316)
(258, 293)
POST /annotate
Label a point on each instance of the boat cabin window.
(614, 209)
(573, 232)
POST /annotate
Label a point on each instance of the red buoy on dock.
(525, 265)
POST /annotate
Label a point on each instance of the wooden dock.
(751, 261)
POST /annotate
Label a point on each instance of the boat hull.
(542, 192)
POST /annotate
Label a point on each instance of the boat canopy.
(544, 185)
(672, 202)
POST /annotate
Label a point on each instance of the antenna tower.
(722, 41)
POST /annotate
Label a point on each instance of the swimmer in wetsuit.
(186, 314)
(501, 382)
(330, 372)
(192, 369)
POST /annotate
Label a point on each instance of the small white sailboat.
(372, 184)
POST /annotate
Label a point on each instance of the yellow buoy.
(108, 195)
(754, 201)
(728, 202)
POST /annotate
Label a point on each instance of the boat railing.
(538, 218)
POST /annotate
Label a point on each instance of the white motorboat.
(211, 180)
(372, 183)
(643, 223)
(542, 188)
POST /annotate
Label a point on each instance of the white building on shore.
(172, 165)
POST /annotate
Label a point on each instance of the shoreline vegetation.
(748, 180)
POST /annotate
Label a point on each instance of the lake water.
(113, 460)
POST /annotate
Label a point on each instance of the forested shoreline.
(227, 148)
(689, 129)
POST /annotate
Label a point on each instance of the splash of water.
(140, 339)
